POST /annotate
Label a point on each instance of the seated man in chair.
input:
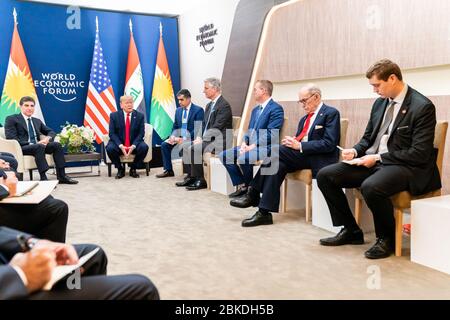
(267, 118)
(27, 130)
(126, 131)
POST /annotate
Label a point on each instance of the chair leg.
(20, 176)
(358, 207)
(308, 202)
(283, 195)
(109, 169)
(398, 232)
(31, 174)
(147, 168)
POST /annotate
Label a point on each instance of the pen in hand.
(340, 148)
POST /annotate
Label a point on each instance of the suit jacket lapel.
(300, 125)
(318, 117)
(379, 120)
(22, 122)
(403, 110)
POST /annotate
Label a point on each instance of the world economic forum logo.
(63, 87)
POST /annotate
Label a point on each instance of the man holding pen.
(312, 147)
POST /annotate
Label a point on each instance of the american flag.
(100, 101)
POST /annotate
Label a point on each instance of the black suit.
(409, 164)
(95, 285)
(117, 135)
(16, 128)
(320, 150)
(9, 157)
(47, 219)
(215, 123)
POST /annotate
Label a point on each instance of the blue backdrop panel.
(54, 51)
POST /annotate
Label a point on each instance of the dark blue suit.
(261, 131)
(196, 114)
(319, 151)
(117, 136)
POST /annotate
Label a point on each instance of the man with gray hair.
(313, 147)
(217, 119)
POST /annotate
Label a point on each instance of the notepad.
(353, 162)
(23, 187)
(61, 271)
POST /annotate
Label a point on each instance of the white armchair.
(24, 162)
(147, 139)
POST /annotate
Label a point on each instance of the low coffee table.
(93, 158)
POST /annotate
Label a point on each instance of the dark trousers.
(377, 185)
(114, 154)
(194, 163)
(95, 285)
(9, 157)
(239, 166)
(46, 220)
(39, 150)
(268, 183)
(166, 151)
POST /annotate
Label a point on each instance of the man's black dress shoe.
(197, 185)
(67, 180)
(382, 248)
(187, 181)
(250, 199)
(133, 173)
(258, 219)
(345, 236)
(120, 173)
(239, 192)
(166, 173)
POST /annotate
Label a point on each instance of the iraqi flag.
(134, 85)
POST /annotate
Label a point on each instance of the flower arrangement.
(76, 139)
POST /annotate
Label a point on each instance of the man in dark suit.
(28, 130)
(395, 154)
(218, 118)
(47, 219)
(183, 130)
(26, 266)
(126, 131)
(265, 122)
(312, 147)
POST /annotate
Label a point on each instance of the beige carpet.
(192, 246)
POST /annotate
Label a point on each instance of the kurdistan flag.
(134, 85)
(162, 113)
(18, 81)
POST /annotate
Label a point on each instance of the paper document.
(23, 187)
(62, 271)
(353, 162)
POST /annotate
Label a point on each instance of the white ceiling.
(169, 7)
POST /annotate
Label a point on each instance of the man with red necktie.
(313, 147)
(126, 131)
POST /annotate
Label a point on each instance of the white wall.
(196, 63)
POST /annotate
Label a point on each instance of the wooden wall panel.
(313, 39)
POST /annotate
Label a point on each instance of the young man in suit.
(28, 130)
(265, 122)
(395, 154)
(218, 118)
(26, 266)
(313, 147)
(183, 130)
(126, 132)
(47, 219)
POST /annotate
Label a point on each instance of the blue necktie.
(258, 113)
(253, 130)
(184, 124)
(31, 132)
(209, 116)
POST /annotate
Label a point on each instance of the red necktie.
(305, 127)
(127, 131)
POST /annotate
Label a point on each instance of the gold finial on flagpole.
(96, 23)
(131, 26)
(160, 29)
(15, 16)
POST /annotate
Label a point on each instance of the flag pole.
(15, 16)
(102, 146)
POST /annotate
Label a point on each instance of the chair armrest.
(13, 147)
